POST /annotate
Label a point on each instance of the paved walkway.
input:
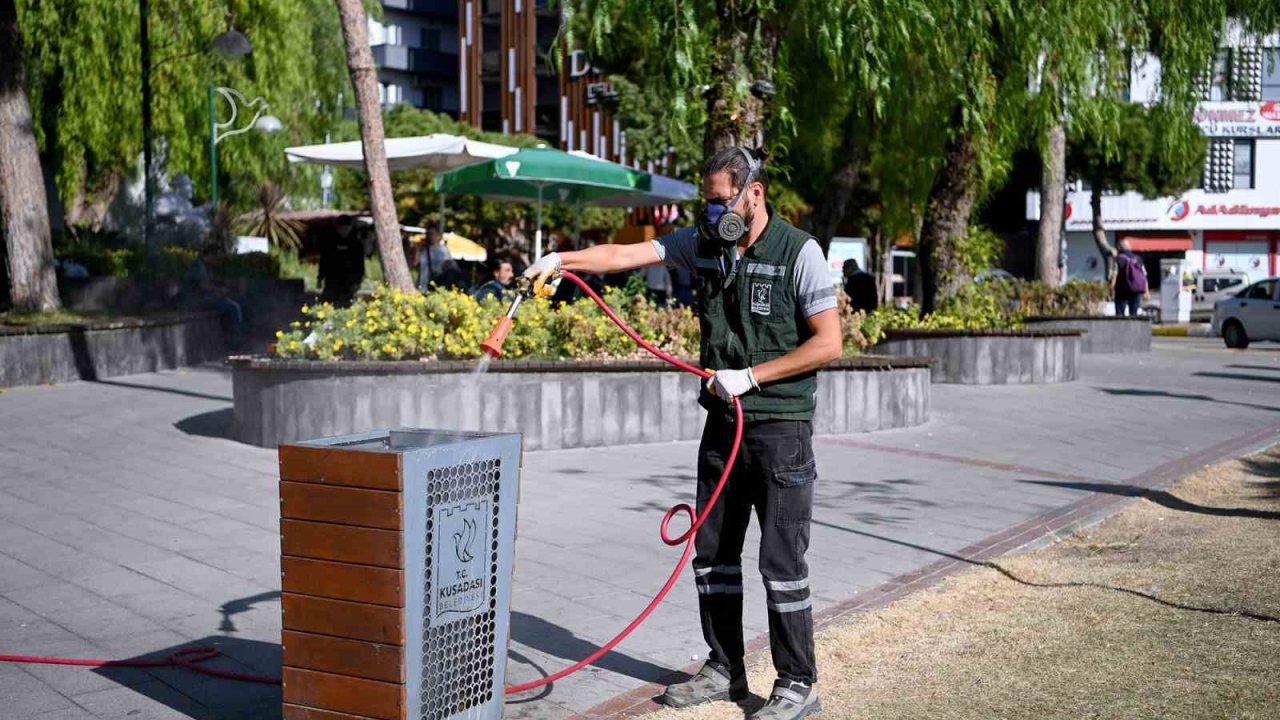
(130, 525)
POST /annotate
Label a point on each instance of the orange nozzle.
(493, 345)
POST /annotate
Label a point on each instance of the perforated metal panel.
(460, 492)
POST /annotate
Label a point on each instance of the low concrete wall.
(1102, 334)
(93, 351)
(268, 303)
(990, 357)
(555, 404)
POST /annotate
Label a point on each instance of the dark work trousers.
(774, 473)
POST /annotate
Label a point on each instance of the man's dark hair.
(733, 161)
(494, 264)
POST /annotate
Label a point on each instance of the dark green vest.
(755, 319)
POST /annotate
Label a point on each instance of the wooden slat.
(340, 466)
(357, 621)
(298, 712)
(344, 543)
(384, 701)
(358, 658)
(342, 581)
(348, 506)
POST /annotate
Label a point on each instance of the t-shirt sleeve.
(678, 249)
(815, 292)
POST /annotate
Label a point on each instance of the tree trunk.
(946, 220)
(364, 79)
(831, 209)
(24, 208)
(740, 123)
(1099, 232)
(1053, 181)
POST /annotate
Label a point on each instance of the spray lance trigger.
(542, 287)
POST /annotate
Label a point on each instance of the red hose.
(695, 522)
(188, 658)
(191, 657)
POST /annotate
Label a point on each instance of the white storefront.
(1233, 220)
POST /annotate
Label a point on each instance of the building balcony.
(433, 8)
(415, 60)
(433, 62)
(391, 57)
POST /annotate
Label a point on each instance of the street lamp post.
(219, 131)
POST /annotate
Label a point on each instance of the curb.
(1032, 534)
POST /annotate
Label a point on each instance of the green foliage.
(980, 249)
(993, 304)
(171, 262)
(1155, 151)
(450, 325)
(85, 68)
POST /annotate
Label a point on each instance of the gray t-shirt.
(813, 285)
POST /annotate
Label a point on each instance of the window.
(1271, 74)
(394, 35)
(429, 38)
(1242, 165)
(1219, 284)
(433, 97)
(1262, 291)
(1221, 78)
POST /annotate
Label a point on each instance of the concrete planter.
(990, 357)
(93, 351)
(554, 404)
(1102, 334)
(268, 303)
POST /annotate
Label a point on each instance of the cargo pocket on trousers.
(793, 494)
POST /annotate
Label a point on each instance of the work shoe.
(712, 683)
(790, 700)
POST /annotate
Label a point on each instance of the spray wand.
(544, 286)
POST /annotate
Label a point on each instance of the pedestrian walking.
(1130, 281)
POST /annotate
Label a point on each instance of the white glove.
(729, 384)
(545, 264)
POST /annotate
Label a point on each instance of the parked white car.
(1210, 287)
(1250, 315)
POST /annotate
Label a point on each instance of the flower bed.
(1102, 334)
(555, 404)
(990, 357)
(38, 354)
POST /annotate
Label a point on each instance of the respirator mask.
(716, 222)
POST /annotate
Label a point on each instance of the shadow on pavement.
(1269, 368)
(1139, 392)
(204, 697)
(1160, 497)
(171, 391)
(545, 690)
(244, 604)
(554, 640)
(1238, 376)
(1240, 612)
(214, 424)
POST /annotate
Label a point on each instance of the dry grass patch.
(1170, 609)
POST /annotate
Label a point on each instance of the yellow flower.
(306, 309)
(279, 334)
(320, 315)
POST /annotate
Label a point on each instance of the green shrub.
(253, 265)
(450, 325)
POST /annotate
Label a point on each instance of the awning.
(435, 152)
(1173, 242)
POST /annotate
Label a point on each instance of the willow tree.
(84, 61)
(24, 210)
(711, 67)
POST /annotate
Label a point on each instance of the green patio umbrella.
(545, 175)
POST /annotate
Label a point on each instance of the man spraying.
(768, 317)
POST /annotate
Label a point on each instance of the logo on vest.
(761, 297)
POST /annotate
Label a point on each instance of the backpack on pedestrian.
(1135, 278)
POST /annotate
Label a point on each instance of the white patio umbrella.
(433, 152)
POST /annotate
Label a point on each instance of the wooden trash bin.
(396, 557)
